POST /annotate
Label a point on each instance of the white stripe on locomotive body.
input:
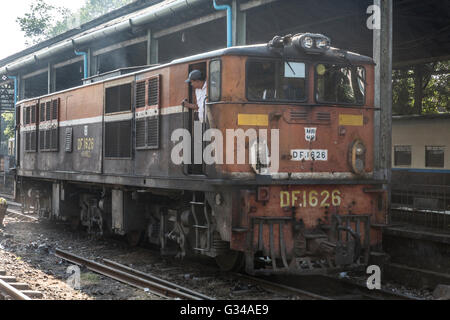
(28, 128)
(112, 118)
(119, 117)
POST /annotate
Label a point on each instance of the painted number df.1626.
(310, 199)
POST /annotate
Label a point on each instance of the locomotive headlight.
(357, 157)
(359, 150)
(322, 43)
(307, 42)
(311, 43)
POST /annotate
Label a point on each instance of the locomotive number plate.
(310, 198)
(309, 155)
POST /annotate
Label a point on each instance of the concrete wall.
(419, 134)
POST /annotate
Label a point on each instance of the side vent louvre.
(27, 115)
(42, 112)
(140, 94)
(33, 141)
(55, 107)
(33, 114)
(48, 135)
(47, 111)
(153, 91)
(69, 139)
(148, 127)
(41, 139)
(27, 141)
(140, 133)
(153, 132)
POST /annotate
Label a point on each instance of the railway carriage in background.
(102, 156)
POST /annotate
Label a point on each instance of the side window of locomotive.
(118, 133)
(118, 99)
(215, 80)
(276, 81)
(340, 84)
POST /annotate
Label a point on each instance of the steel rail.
(16, 214)
(12, 292)
(151, 277)
(281, 288)
(157, 288)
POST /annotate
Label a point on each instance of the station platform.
(418, 256)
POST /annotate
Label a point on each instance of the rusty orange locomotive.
(278, 178)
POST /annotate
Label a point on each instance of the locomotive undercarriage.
(178, 223)
(321, 250)
(186, 223)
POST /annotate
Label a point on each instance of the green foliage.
(45, 21)
(436, 89)
(437, 92)
(39, 21)
(95, 8)
(8, 120)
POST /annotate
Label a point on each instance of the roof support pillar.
(51, 78)
(239, 24)
(382, 54)
(152, 48)
(20, 87)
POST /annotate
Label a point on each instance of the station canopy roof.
(421, 32)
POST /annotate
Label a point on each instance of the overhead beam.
(67, 62)
(254, 4)
(35, 73)
(119, 45)
(239, 17)
(190, 24)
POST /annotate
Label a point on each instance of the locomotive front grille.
(299, 116)
(323, 116)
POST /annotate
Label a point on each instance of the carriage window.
(434, 156)
(402, 155)
(339, 84)
(276, 81)
(118, 98)
(215, 79)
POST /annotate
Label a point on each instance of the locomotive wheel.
(134, 237)
(231, 261)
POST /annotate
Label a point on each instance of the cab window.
(275, 80)
(340, 84)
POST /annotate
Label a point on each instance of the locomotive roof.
(264, 51)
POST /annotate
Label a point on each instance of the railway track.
(13, 213)
(308, 288)
(149, 283)
(333, 288)
(166, 289)
(11, 289)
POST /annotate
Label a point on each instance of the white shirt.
(200, 94)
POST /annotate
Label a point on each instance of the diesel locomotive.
(279, 178)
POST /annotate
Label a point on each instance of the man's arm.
(185, 103)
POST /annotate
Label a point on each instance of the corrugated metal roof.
(122, 14)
